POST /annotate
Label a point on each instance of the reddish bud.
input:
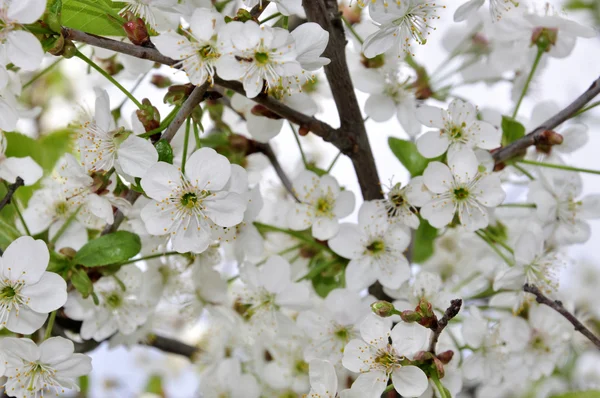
(136, 31)
(178, 94)
(410, 316)
(546, 140)
(423, 356)
(303, 131)
(544, 38)
(148, 115)
(160, 81)
(446, 356)
(439, 367)
(351, 13)
(383, 308)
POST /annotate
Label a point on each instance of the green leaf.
(579, 394)
(423, 242)
(58, 263)
(155, 385)
(53, 15)
(409, 156)
(318, 171)
(82, 282)
(511, 130)
(82, 16)
(165, 152)
(109, 249)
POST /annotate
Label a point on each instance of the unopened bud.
(243, 15)
(261, 110)
(136, 31)
(68, 252)
(376, 62)
(148, 115)
(303, 131)
(439, 367)
(383, 308)
(410, 316)
(111, 66)
(544, 38)
(177, 94)
(425, 308)
(423, 356)
(69, 50)
(160, 81)
(446, 356)
(351, 13)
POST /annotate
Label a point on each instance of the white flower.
(563, 216)
(533, 264)
(198, 53)
(460, 189)
(20, 47)
(377, 360)
(458, 127)
(334, 325)
(49, 369)
(267, 290)
(227, 380)
(27, 292)
(285, 7)
(146, 9)
(288, 369)
(13, 167)
(322, 204)
(311, 40)
(400, 202)
(375, 249)
(186, 205)
(103, 146)
(400, 25)
(470, 7)
(256, 54)
(324, 382)
(120, 310)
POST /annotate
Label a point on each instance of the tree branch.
(557, 306)
(450, 313)
(190, 103)
(536, 136)
(327, 14)
(172, 346)
(268, 152)
(12, 188)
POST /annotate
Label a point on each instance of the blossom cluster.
(169, 230)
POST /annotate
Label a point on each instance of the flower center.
(376, 247)
(114, 301)
(456, 132)
(324, 206)
(61, 208)
(8, 292)
(461, 193)
(261, 58)
(208, 52)
(342, 334)
(301, 367)
(189, 200)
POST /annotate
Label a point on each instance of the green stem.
(299, 145)
(524, 205)
(536, 62)
(499, 242)
(317, 270)
(284, 22)
(559, 166)
(186, 141)
(334, 161)
(522, 170)
(48, 332)
(587, 108)
(64, 227)
(108, 77)
(150, 257)
(443, 393)
(270, 17)
(163, 125)
(494, 248)
(15, 202)
(42, 73)
(351, 29)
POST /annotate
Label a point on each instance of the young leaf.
(423, 243)
(81, 281)
(409, 156)
(511, 130)
(109, 249)
(82, 16)
(165, 152)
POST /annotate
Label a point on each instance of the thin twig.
(536, 136)
(186, 110)
(12, 188)
(557, 306)
(172, 346)
(268, 152)
(450, 313)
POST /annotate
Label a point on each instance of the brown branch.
(186, 110)
(450, 313)
(537, 136)
(557, 306)
(266, 150)
(326, 13)
(11, 190)
(172, 346)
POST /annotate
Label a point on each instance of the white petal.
(375, 331)
(431, 116)
(26, 11)
(26, 168)
(25, 259)
(380, 107)
(275, 274)
(409, 381)
(49, 294)
(24, 50)
(409, 338)
(347, 243)
(136, 156)
(467, 9)
(433, 144)
(439, 212)
(325, 228)
(438, 178)
(359, 274)
(161, 181)
(322, 377)
(379, 42)
(208, 170)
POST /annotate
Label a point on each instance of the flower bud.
(148, 115)
(303, 131)
(446, 356)
(351, 13)
(177, 94)
(376, 62)
(423, 356)
(243, 15)
(410, 316)
(439, 367)
(383, 308)
(160, 81)
(136, 32)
